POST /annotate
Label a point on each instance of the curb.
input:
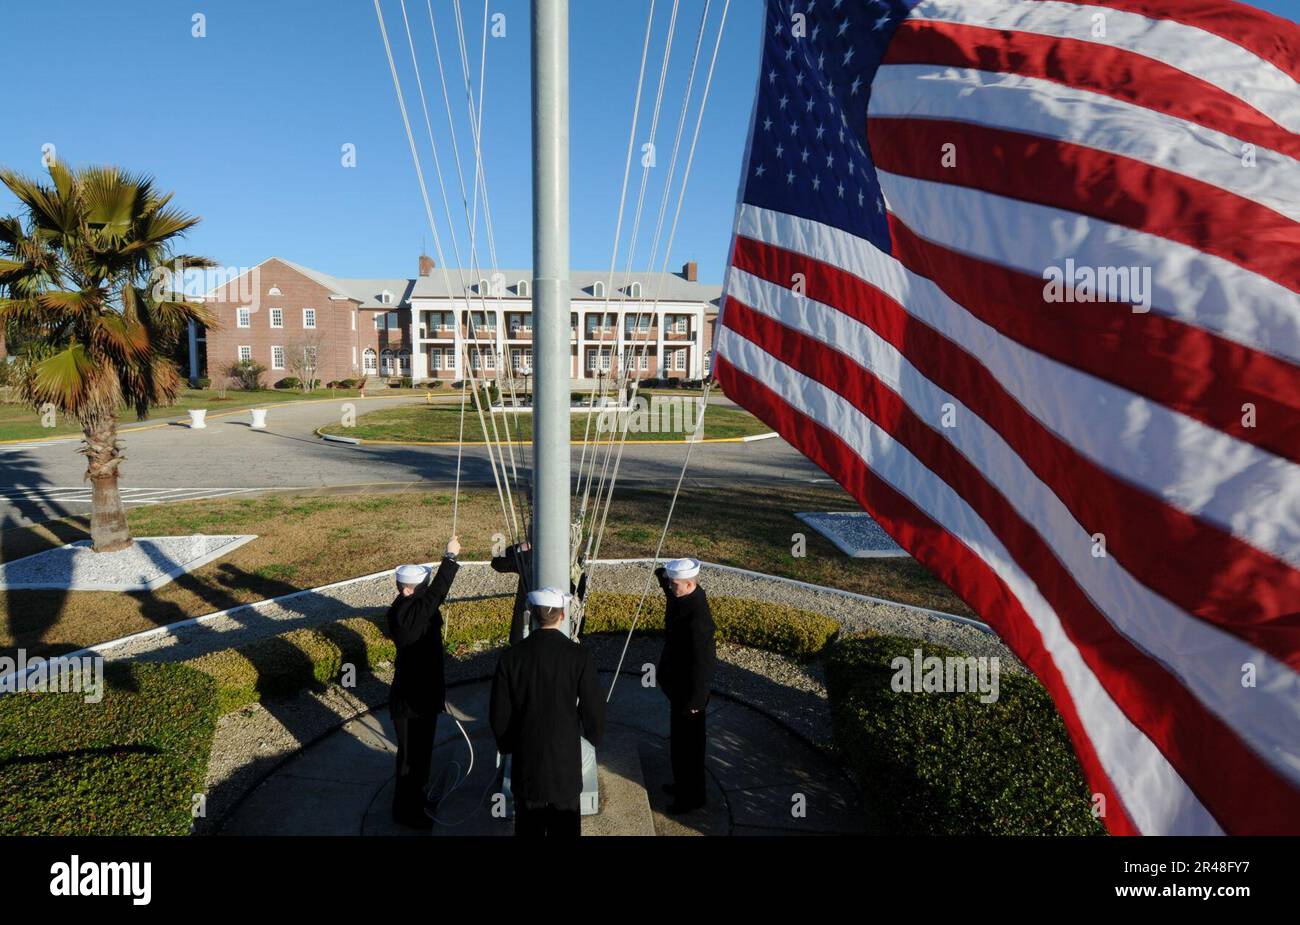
(184, 422)
(685, 441)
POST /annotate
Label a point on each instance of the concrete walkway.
(762, 778)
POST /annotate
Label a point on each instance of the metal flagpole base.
(590, 791)
(590, 802)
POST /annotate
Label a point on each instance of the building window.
(244, 317)
(386, 297)
(404, 361)
(679, 360)
(369, 359)
(277, 317)
(354, 356)
(386, 363)
(682, 322)
(708, 363)
(309, 318)
(354, 320)
(521, 288)
(391, 321)
(274, 290)
(435, 358)
(598, 289)
(379, 321)
(245, 354)
(634, 290)
(277, 358)
(639, 323)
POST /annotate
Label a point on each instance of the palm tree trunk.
(108, 529)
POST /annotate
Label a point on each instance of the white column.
(659, 337)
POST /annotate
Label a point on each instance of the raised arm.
(509, 561)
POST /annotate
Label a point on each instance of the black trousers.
(686, 749)
(548, 819)
(414, 755)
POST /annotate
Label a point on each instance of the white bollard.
(259, 419)
(197, 418)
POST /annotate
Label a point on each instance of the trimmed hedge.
(128, 765)
(282, 665)
(947, 764)
(310, 658)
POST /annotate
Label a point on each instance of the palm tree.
(80, 274)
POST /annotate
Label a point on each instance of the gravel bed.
(854, 533)
(148, 563)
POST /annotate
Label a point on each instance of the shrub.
(282, 665)
(247, 374)
(128, 765)
(435, 383)
(289, 382)
(347, 383)
(203, 383)
(406, 382)
(947, 764)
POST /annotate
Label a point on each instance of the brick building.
(430, 326)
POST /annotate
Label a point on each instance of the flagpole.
(550, 46)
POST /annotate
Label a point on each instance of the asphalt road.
(39, 481)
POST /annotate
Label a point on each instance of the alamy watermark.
(1074, 283)
(662, 414)
(58, 674)
(930, 674)
(237, 285)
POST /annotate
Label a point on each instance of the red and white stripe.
(1120, 148)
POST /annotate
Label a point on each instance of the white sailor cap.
(682, 568)
(412, 574)
(547, 597)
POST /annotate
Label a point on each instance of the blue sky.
(247, 124)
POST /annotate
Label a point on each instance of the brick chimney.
(690, 270)
(426, 265)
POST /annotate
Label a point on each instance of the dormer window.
(386, 297)
(634, 290)
(521, 288)
(598, 289)
(482, 287)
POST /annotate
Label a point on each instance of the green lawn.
(20, 422)
(436, 423)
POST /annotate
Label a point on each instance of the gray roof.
(667, 287)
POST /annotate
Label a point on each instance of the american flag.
(1022, 276)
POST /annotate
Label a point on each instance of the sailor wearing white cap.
(419, 689)
(545, 699)
(685, 675)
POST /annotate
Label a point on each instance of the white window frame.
(370, 360)
(243, 317)
(245, 353)
(404, 362)
(679, 360)
(598, 289)
(277, 350)
(435, 358)
(521, 288)
(354, 319)
(277, 317)
(379, 321)
(309, 319)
